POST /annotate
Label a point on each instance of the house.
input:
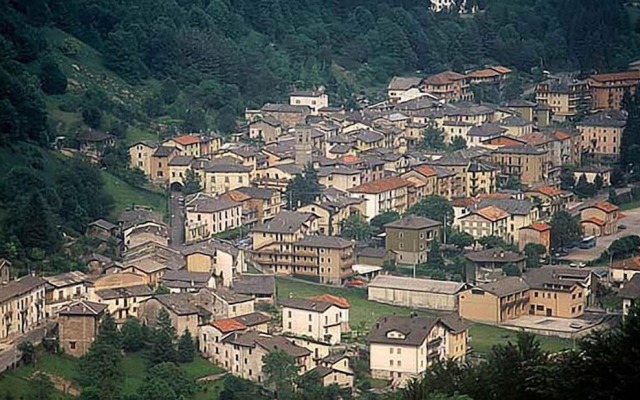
(140, 154)
(495, 302)
(341, 303)
(552, 295)
(399, 86)
(525, 162)
(489, 75)
(22, 302)
(630, 294)
(159, 164)
(622, 271)
(221, 177)
(315, 319)
(415, 292)
(213, 332)
(62, 289)
(183, 281)
(410, 237)
(148, 267)
(78, 326)
(521, 213)
(486, 265)
(289, 115)
(266, 129)
(93, 142)
(516, 126)
(184, 313)
(600, 219)
(314, 99)
(332, 208)
(375, 256)
(207, 215)
(601, 133)
(221, 258)
(332, 376)
(261, 203)
(448, 85)
(194, 145)
(386, 194)
(403, 347)
(486, 221)
(549, 199)
(538, 232)
(229, 304)
(481, 178)
(339, 177)
(608, 90)
(5, 271)
(323, 259)
(261, 287)
(565, 95)
(592, 172)
(424, 179)
(121, 292)
(242, 353)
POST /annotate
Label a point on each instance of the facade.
(565, 95)
(315, 319)
(159, 164)
(403, 347)
(5, 271)
(221, 258)
(207, 215)
(221, 178)
(267, 129)
(486, 265)
(258, 204)
(314, 99)
(399, 86)
(22, 303)
(607, 90)
(487, 221)
(600, 219)
(410, 238)
(538, 232)
(448, 85)
(415, 292)
(481, 178)
(140, 156)
(622, 271)
(78, 325)
(386, 194)
(183, 313)
(495, 302)
(229, 304)
(601, 133)
(63, 289)
(630, 294)
(525, 162)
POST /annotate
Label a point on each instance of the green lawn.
(200, 368)
(59, 365)
(134, 368)
(367, 312)
(209, 390)
(126, 195)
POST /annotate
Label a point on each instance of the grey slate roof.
(204, 203)
(332, 242)
(477, 166)
(20, 287)
(284, 222)
(103, 224)
(368, 136)
(514, 120)
(269, 343)
(415, 330)
(226, 168)
(631, 289)
(512, 206)
(494, 255)
(255, 285)
(412, 221)
(524, 149)
(178, 303)
(488, 129)
(256, 193)
(610, 118)
(547, 278)
(285, 108)
(417, 284)
(163, 151)
(253, 319)
(83, 307)
(306, 304)
(505, 286)
(131, 291)
(181, 161)
(403, 83)
(231, 296)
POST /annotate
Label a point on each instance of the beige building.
(5, 271)
(316, 319)
(600, 219)
(448, 85)
(323, 259)
(207, 215)
(22, 306)
(78, 326)
(184, 314)
(62, 289)
(267, 129)
(258, 204)
(339, 177)
(140, 155)
(487, 221)
(221, 258)
(314, 99)
(229, 304)
(121, 292)
(221, 178)
(403, 347)
(399, 86)
(622, 271)
(410, 238)
(601, 133)
(607, 90)
(630, 294)
(495, 302)
(386, 194)
(332, 209)
(415, 292)
(565, 95)
(159, 164)
(525, 162)
(481, 178)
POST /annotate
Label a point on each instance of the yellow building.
(140, 155)
(601, 133)
(487, 221)
(601, 219)
(220, 178)
(525, 162)
(23, 306)
(565, 94)
(207, 215)
(495, 302)
(481, 178)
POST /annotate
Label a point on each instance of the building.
(122, 293)
(335, 369)
(525, 162)
(410, 237)
(552, 295)
(607, 90)
(538, 233)
(487, 265)
(403, 347)
(600, 219)
(601, 133)
(565, 95)
(521, 213)
(314, 99)
(261, 287)
(481, 178)
(316, 319)
(258, 204)
(5, 271)
(630, 294)
(386, 194)
(415, 292)
(399, 87)
(221, 258)
(592, 172)
(213, 332)
(489, 75)
(63, 289)
(448, 85)
(183, 281)
(323, 259)
(622, 271)
(221, 177)
(289, 115)
(206, 215)
(487, 221)
(159, 167)
(78, 326)
(182, 308)
(495, 302)
(22, 302)
(266, 129)
(140, 155)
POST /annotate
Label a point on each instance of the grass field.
(125, 195)
(367, 312)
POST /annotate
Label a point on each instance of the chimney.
(501, 253)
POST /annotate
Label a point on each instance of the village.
(435, 212)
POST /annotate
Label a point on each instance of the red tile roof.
(593, 220)
(444, 78)
(606, 206)
(492, 213)
(617, 76)
(539, 226)
(426, 170)
(484, 73)
(381, 185)
(465, 202)
(561, 135)
(630, 263)
(501, 69)
(494, 196)
(550, 191)
(186, 140)
(229, 325)
(337, 301)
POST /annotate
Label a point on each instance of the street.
(631, 220)
(177, 220)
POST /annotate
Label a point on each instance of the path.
(176, 211)
(213, 377)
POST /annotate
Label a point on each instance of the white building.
(319, 320)
(314, 99)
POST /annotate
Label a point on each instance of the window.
(535, 294)
(573, 310)
(399, 351)
(72, 345)
(399, 363)
(400, 235)
(540, 308)
(310, 328)
(310, 317)
(289, 313)
(391, 363)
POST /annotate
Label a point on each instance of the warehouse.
(415, 292)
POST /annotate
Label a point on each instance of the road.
(9, 354)
(177, 220)
(631, 220)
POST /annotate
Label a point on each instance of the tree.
(235, 388)
(583, 188)
(186, 347)
(434, 207)
(432, 138)
(43, 388)
(565, 229)
(379, 221)
(567, 180)
(624, 247)
(434, 256)
(52, 79)
(598, 182)
(495, 242)
(280, 372)
(303, 189)
(460, 239)
(355, 227)
(630, 140)
(92, 116)
(132, 335)
(166, 381)
(163, 337)
(512, 183)
(191, 183)
(108, 332)
(28, 352)
(533, 251)
(511, 270)
(101, 370)
(458, 143)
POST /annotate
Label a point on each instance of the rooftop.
(414, 330)
(337, 301)
(492, 213)
(381, 185)
(255, 284)
(285, 222)
(412, 221)
(307, 304)
(83, 307)
(403, 83)
(444, 78)
(19, 287)
(206, 203)
(66, 279)
(323, 241)
(494, 255)
(505, 286)
(417, 284)
(631, 289)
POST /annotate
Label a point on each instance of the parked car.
(622, 227)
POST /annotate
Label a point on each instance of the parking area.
(553, 326)
(631, 220)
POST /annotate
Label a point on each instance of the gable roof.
(381, 185)
(495, 255)
(444, 78)
(186, 140)
(511, 206)
(255, 284)
(417, 284)
(83, 307)
(19, 287)
(491, 213)
(412, 221)
(631, 289)
(323, 241)
(505, 286)
(307, 304)
(284, 222)
(415, 330)
(403, 83)
(337, 301)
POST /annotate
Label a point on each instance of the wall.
(78, 330)
(396, 361)
(408, 298)
(478, 307)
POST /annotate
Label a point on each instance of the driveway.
(177, 220)
(632, 221)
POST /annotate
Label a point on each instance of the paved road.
(631, 220)
(177, 220)
(9, 353)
